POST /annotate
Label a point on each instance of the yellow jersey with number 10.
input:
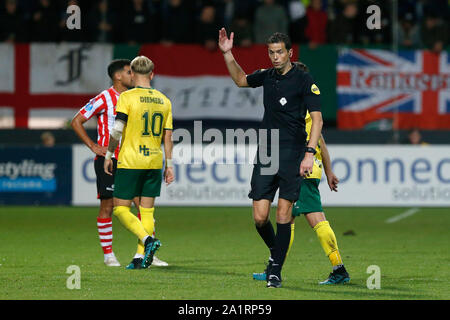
(149, 114)
(317, 168)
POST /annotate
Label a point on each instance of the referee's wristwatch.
(310, 150)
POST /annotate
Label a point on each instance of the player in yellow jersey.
(310, 205)
(143, 121)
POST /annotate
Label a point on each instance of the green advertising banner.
(321, 62)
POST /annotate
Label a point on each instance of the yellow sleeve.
(168, 125)
(122, 105)
(308, 125)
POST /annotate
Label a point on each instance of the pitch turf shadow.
(201, 271)
(383, 293)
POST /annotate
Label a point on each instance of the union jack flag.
(411, 88)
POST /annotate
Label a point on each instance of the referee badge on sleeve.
(315, 89)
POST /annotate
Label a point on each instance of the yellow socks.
(131, 222)
(149, 225)
(328, 241)
(292, 238)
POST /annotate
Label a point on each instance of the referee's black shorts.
(287, 179)
(105, 182)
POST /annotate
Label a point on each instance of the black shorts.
(105, 182)
(287, 179)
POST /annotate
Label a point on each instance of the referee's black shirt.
(286, 100)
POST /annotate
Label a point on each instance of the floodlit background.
(384, 78)
(380, 87)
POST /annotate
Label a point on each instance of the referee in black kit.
(288, 93)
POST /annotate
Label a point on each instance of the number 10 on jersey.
(154, 123)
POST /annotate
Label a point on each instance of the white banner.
(50, 118)
(7, 68)
(69, 68)
(369, 176)
(84, 188)
(195, 184)
(389, 175)
(7, 120)
(210, 97)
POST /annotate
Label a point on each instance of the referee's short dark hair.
(278, 37)
(117, 65)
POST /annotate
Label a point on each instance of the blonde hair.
(142, 65)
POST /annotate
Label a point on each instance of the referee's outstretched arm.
(225, 45)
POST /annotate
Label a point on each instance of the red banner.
(66, 76)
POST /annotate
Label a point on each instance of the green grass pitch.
(212, 253)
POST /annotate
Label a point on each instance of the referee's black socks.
(282, 240)
(268, 235)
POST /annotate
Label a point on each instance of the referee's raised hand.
(225, 44)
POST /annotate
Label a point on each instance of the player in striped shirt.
(103, 106)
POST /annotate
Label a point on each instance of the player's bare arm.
(307, 163)
(326, 160)
(114, 140)
(225, 45)
(77, 124)
(168, 147)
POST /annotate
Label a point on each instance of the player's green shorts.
(308, 198)
(130, 183)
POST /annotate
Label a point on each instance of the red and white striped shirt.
(104, 107)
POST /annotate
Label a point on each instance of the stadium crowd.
(422, 23)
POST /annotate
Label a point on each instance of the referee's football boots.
(274, 276)
(151, 246)
(338, 276)
(274, 281)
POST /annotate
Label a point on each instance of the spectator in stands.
(11, 23)
(44, 22)
(245, 8)
(66, 34)
(242, 29)
(440, 8)
(411, 6)
(269, 18)
(48, 139)
(297, 21)
(227, 13)
(177, 22)
(101, 22)
(434, 33)
(376, 36)
(207, 28)
(415, 137)
(137, 26)
(408, 32)
(316, 29)
(345, 29)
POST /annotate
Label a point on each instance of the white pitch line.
(403, 215)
